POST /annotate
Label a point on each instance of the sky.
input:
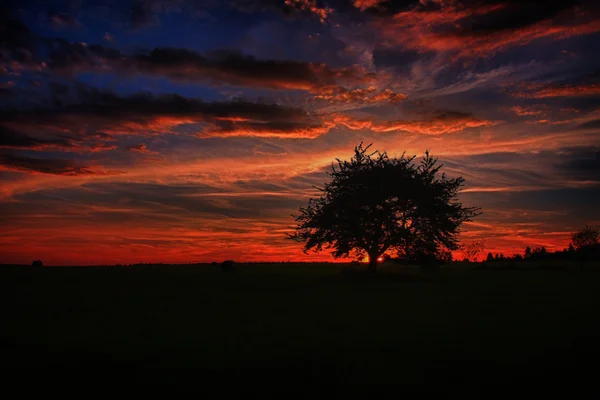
(184, 131)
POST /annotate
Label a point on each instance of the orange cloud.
(282, 130)
(523, 111)
(337, 94)
(311, 6)
(442, 123)
(540, 91)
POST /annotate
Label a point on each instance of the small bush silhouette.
(228, 266)
(37, 263)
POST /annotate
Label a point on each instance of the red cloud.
(140, 148)
(362, 5)
(448, 28)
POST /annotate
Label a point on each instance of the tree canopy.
(585, 238)
(374, 203)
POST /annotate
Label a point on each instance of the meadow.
(460, 327)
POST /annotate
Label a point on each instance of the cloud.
(336, 94)
(101, 114)
(145, 13)
(217, 67)
(60, 20)
(477, 29)
(581, 164)
(16, 140)
(438, 124)
(540, 91)
(18, 46)
(593, 124)
(287, 7)
(278, 129)
(47, 138)
(53, 166)
(525, 111)
(311, 6)
(362, 5)
(139, 148)
(109, 37)
(235, 69)
(144, 151)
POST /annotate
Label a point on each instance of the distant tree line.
(584, 246)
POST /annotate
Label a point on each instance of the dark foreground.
(305, 329)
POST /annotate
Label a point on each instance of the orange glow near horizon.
(124, 141)
(102, 219)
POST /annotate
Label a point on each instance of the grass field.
(471, 330)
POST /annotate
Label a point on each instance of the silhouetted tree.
(587, 246)
(374, 203)
(490, 257)
(528, 252)
(37, 263)
(471, 250)
(585, 238)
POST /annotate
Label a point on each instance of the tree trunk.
(372, 268)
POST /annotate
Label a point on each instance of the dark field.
(302, 326)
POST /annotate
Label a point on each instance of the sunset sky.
(188, 131)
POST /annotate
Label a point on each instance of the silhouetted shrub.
(37, 263)
(214, 263)
(228, 266)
